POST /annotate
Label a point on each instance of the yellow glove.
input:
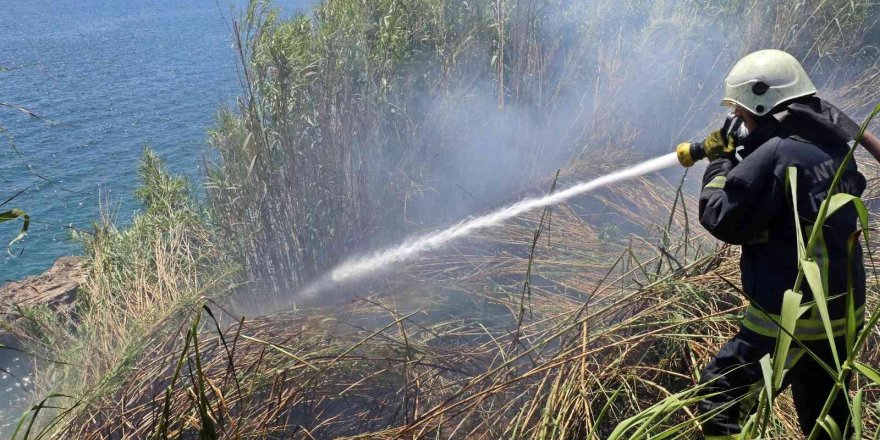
(718, 146)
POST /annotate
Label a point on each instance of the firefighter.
(745, 201)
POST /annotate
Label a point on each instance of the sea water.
(112, 76)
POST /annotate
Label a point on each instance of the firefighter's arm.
(735, 199)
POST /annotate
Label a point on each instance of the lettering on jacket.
(818, 178)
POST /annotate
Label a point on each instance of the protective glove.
(719, 146)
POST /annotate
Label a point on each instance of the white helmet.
(764, 79)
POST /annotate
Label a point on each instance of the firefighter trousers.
(734, 377)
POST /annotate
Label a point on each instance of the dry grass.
(556, 325)
(453, 347)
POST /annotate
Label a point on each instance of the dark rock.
(56, 287)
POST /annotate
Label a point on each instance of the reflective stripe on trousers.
(807, 329)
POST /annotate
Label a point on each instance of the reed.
(354, 122)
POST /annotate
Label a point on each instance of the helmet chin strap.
(736, 127)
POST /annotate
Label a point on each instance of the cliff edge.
(56, 287)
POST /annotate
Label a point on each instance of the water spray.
(358, 267)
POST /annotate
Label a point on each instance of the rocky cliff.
(56, 288)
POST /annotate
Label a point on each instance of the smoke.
(581, 77)
(514, 89)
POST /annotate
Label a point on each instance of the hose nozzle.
(689, 153)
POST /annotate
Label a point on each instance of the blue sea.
(109, 77)
(106, 78)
